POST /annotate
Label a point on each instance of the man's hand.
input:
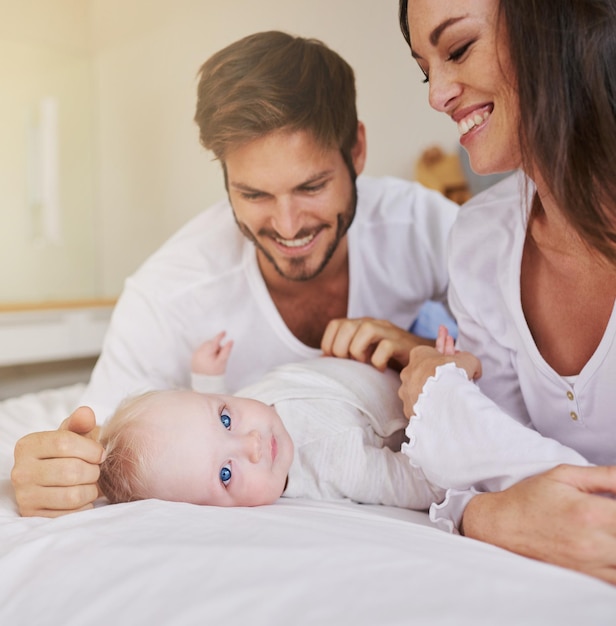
(370, 340)
(558, 517)
(56, 472)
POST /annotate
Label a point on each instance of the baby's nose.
(253, 446)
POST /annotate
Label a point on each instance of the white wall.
(153, 174)
(55, 23)
(45, 56)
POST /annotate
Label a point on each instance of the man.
(299, 242)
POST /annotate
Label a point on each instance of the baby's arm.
(210, 358)
(369, 474)
(208, 365)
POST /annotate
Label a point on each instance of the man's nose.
(286, 219)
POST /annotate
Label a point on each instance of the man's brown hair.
(272, 81)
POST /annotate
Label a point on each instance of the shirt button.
(574, 416)
(570, 395)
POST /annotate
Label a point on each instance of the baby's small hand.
(465, 360)
(211, 357)
(423, 363)
(444, 341)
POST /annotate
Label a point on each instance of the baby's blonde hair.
(125, 438)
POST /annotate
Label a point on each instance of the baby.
(326, 428)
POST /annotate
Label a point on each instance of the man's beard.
(298, 267)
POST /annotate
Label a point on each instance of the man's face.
(294, 199)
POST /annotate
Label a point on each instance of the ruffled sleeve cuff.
(432, 446)
(430, 387)
(447, 515)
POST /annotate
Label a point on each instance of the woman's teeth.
(295, 243)
(470, 122)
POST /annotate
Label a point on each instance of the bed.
(293, 563)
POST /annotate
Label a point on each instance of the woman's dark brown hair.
(564, 58)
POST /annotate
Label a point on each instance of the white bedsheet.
(293, 563)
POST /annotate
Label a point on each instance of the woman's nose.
(444, 89)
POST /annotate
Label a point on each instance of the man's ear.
(358, 151)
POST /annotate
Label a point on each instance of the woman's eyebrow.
(435, 35)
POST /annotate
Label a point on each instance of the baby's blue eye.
(225, 418)
(225, 474)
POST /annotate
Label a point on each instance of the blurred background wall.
(119, 79)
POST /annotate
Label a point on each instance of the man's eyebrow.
(309, 181)
(315, 178)
(244, 187)
(435, 35)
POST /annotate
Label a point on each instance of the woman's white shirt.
(574, 416)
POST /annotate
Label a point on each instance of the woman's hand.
(422, 365)
(370, 340)
(560, 517)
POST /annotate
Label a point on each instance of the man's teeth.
(295, 243)
(470, 122)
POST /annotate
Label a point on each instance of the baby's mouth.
(274, 448)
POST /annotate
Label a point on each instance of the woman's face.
(462, 49)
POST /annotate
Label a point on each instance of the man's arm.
(369, 340)
(56, 472)
(143, 347)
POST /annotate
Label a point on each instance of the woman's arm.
(561, 516)
(507, 484)
(462, 440)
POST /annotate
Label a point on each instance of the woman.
(531, 85)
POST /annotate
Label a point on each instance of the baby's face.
(216, 450)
